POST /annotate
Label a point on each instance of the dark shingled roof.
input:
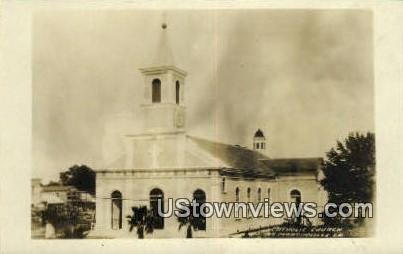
(259, 134)
(246, 163)
(294, 165)
(241, 161)
(234, 155)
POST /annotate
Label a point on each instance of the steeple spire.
(163, 54)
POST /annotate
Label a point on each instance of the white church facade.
(163, 161)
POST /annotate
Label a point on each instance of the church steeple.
(164, 90)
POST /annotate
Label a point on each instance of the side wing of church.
(163, 161)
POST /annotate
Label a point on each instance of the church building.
(162, 161)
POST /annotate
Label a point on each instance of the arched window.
(259, 195)
(237, 194)
(248, 194)
(116, 210)
(223, 185)
(257, 145)
(155, 195)
(177, 91)
(200, 197)
(295, 196)
(156, 91)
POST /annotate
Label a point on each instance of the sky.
(304, 77)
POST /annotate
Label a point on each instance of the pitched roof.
(239, 161)
(287, 166)
(233, 155)
(243, 162)
(231, 160)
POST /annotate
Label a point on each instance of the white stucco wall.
(135, 187)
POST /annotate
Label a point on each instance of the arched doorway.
(155, 195)
(116, 210)
(296, 198)
(200, 197)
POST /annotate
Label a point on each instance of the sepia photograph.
(202, 124)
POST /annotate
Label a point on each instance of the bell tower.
(163, 105)
(259, 141)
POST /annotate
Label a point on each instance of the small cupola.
(259, 141)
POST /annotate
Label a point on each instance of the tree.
(82, 177)
(68, 220)
(142, 219)
(349, 172)
(189, 222)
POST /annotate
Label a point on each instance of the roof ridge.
(297, 158)
(218, 142)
